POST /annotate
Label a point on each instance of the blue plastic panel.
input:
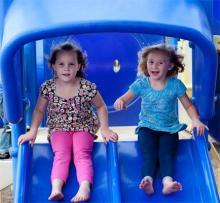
(214, 123)
(102, 52)
(102, 49)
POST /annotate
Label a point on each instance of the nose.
(67, 67)
(155, 65)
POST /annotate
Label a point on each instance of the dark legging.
(157, 146)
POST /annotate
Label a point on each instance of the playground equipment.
(116, 165)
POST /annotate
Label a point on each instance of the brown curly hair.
(175, 59)
(70, 46)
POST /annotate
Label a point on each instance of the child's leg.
(82, 150)
(167, 153)
(61, 143)
(148, 141)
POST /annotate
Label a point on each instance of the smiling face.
(158, 65)
(66, 66)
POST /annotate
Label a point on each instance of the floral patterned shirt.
(73, 114)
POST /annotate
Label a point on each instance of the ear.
(171, 66)
(79, 66)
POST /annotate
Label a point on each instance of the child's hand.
(108, 134)
(200, 127)
(120, 104)
(28, 136)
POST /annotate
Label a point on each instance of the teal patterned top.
(159, 107)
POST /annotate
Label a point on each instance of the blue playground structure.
(110, 32)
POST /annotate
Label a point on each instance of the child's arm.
(121, 102)
(191, 110)
(37, 117)
(102, 112)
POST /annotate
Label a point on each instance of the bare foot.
(56, 193)
(146, 185)
(171, 187)
(56, 196)
(83, 193)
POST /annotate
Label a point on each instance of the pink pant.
(64, 144)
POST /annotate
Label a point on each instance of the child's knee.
(83, 156)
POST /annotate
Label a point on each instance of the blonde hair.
(175, 59)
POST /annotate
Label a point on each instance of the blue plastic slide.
(117, 166)
(117, 175)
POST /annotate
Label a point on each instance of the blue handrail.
(23, 177)
(210, 187)
(114, 179)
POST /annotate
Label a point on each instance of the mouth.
(66, 74)
(155, 72)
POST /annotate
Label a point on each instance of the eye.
(150, 62)
(61, 64)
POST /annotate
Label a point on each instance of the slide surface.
(188, 171)
(41, 170)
